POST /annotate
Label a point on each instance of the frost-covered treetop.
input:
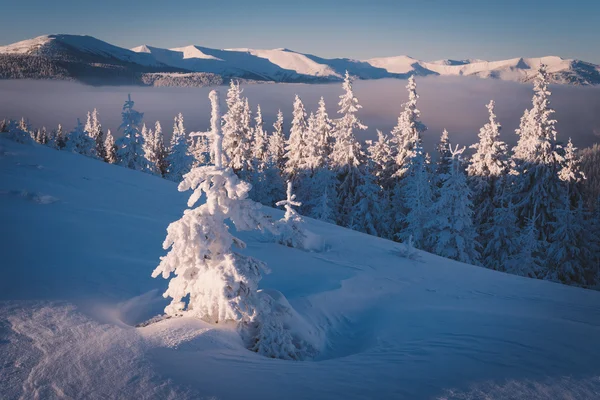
(490, 152)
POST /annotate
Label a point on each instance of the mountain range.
(92, 61)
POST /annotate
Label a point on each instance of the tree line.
(531, 210)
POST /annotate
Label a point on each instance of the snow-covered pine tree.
(295, 156)
(453, 233)
(368, 213)
(347, 155)
(407, 132)
(160, 150)
(151, 150)
(260, 145)
(382, 160)
(527, 261)
(442, 165)
(276, 148)
(291, 227)
(487, 166)
(322, 138)
(502, 236)
(236, 131)
(536, 162)
(94, 130)
(413, 201)
(130, 151)
(321, 202)
(52, 139)
(61, 139)
(80, 142)
(571, 173)
(179, 159)
(211, 281)
(573, 245)
(111, 148)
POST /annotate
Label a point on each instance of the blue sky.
(426, 29)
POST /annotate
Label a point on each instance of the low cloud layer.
(457, 104)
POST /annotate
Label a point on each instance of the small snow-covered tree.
(160, 150)
(211, 281)
(296, 148)
(291, 226)
(94, 130)
(179, 159)
(407, 132)
(111, 148)
(276, 148)
(80, 142)
(453, 233)
(130, 151)
(151, 150)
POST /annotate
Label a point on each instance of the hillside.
(93, 61)
(81, 237)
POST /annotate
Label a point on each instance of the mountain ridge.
(93, 61)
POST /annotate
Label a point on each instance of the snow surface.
(76, 280)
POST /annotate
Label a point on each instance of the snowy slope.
(80, 239)
(278, 65)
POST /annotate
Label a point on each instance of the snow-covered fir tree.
(502, 236)
(111, 148)
(452, 230)
(527, 261)
(382, 158)
(536, 162)
(442, 165)
(160, 149)
(179, 158)
(321, 139)
(130, 151)
(291, 227)
(153, 148)
(347, 155)
(320, 192)
(413, 201)
(260, 142)
(80, 142)
(61, 139)
(368, 212)
(573, 245)
(210, 280)
(486, 167)
(407, 132)
(94, 130)
(236, 131)
(276, 147)
(571, 173)
(295, 156)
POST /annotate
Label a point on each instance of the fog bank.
(457, 104)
